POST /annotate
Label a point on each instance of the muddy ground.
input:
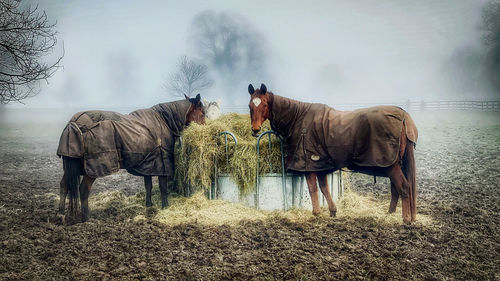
(458, 161)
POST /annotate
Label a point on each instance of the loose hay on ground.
(198, 209)
(355, 206)
(115, 204)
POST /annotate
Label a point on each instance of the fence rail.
(408, 105)
(456, 105)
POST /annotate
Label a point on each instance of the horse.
(377, 141)
(212, 109)
(98, 143)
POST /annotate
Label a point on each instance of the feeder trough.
(273, 191)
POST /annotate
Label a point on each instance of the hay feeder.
(273, 191)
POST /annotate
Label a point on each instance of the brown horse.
(99, 143)
(376, 141)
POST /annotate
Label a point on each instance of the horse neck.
(284, 113)
(174, 114)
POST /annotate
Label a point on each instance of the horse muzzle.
(255, 133)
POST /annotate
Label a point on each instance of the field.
(458, 176)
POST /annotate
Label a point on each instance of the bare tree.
(491, 23)
(229, 44)
(191, 77)
(491, 27)
(26, 37)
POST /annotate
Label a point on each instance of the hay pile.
(203, 148)
(197, 209)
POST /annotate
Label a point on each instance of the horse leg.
(402, 175)
(84, 196)
(63, 191)
(148, 183)
(394, 198)
(398, 179)
(163, 182)
(73, 168)
(323, 185)
(313, 192)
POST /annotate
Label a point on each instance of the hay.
(115, 204)
(197, 209)
(203, 147)
(353, 205)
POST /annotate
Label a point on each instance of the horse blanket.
(320, 138)
(141, 142)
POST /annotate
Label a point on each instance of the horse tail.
(409, 170)
(72, 168)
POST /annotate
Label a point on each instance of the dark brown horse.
(376, 141)
(99, 143)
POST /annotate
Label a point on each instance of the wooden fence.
(408, 105)
(456, 105)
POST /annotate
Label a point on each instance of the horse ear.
(251, 89)
(205, 102)
(263, 88)
(186, 97)
(197, 99)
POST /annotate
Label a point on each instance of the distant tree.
(26, 37)
(491, 27)
(491, 23)
(229, 45)
(464, 72)
(190, 77)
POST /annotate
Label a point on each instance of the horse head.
(196, 111)
(260, 107)
(212, 109)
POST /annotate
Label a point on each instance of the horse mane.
(270, 106)
(174, 114)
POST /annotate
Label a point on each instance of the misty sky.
(119, 53)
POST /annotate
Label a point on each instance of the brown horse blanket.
(320, 138)
(141, 142)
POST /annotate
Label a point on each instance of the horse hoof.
(151, 212)
(316, 213)
(85, 218)
(59, 218)
(333, 214)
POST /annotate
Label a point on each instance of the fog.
(120, 53)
